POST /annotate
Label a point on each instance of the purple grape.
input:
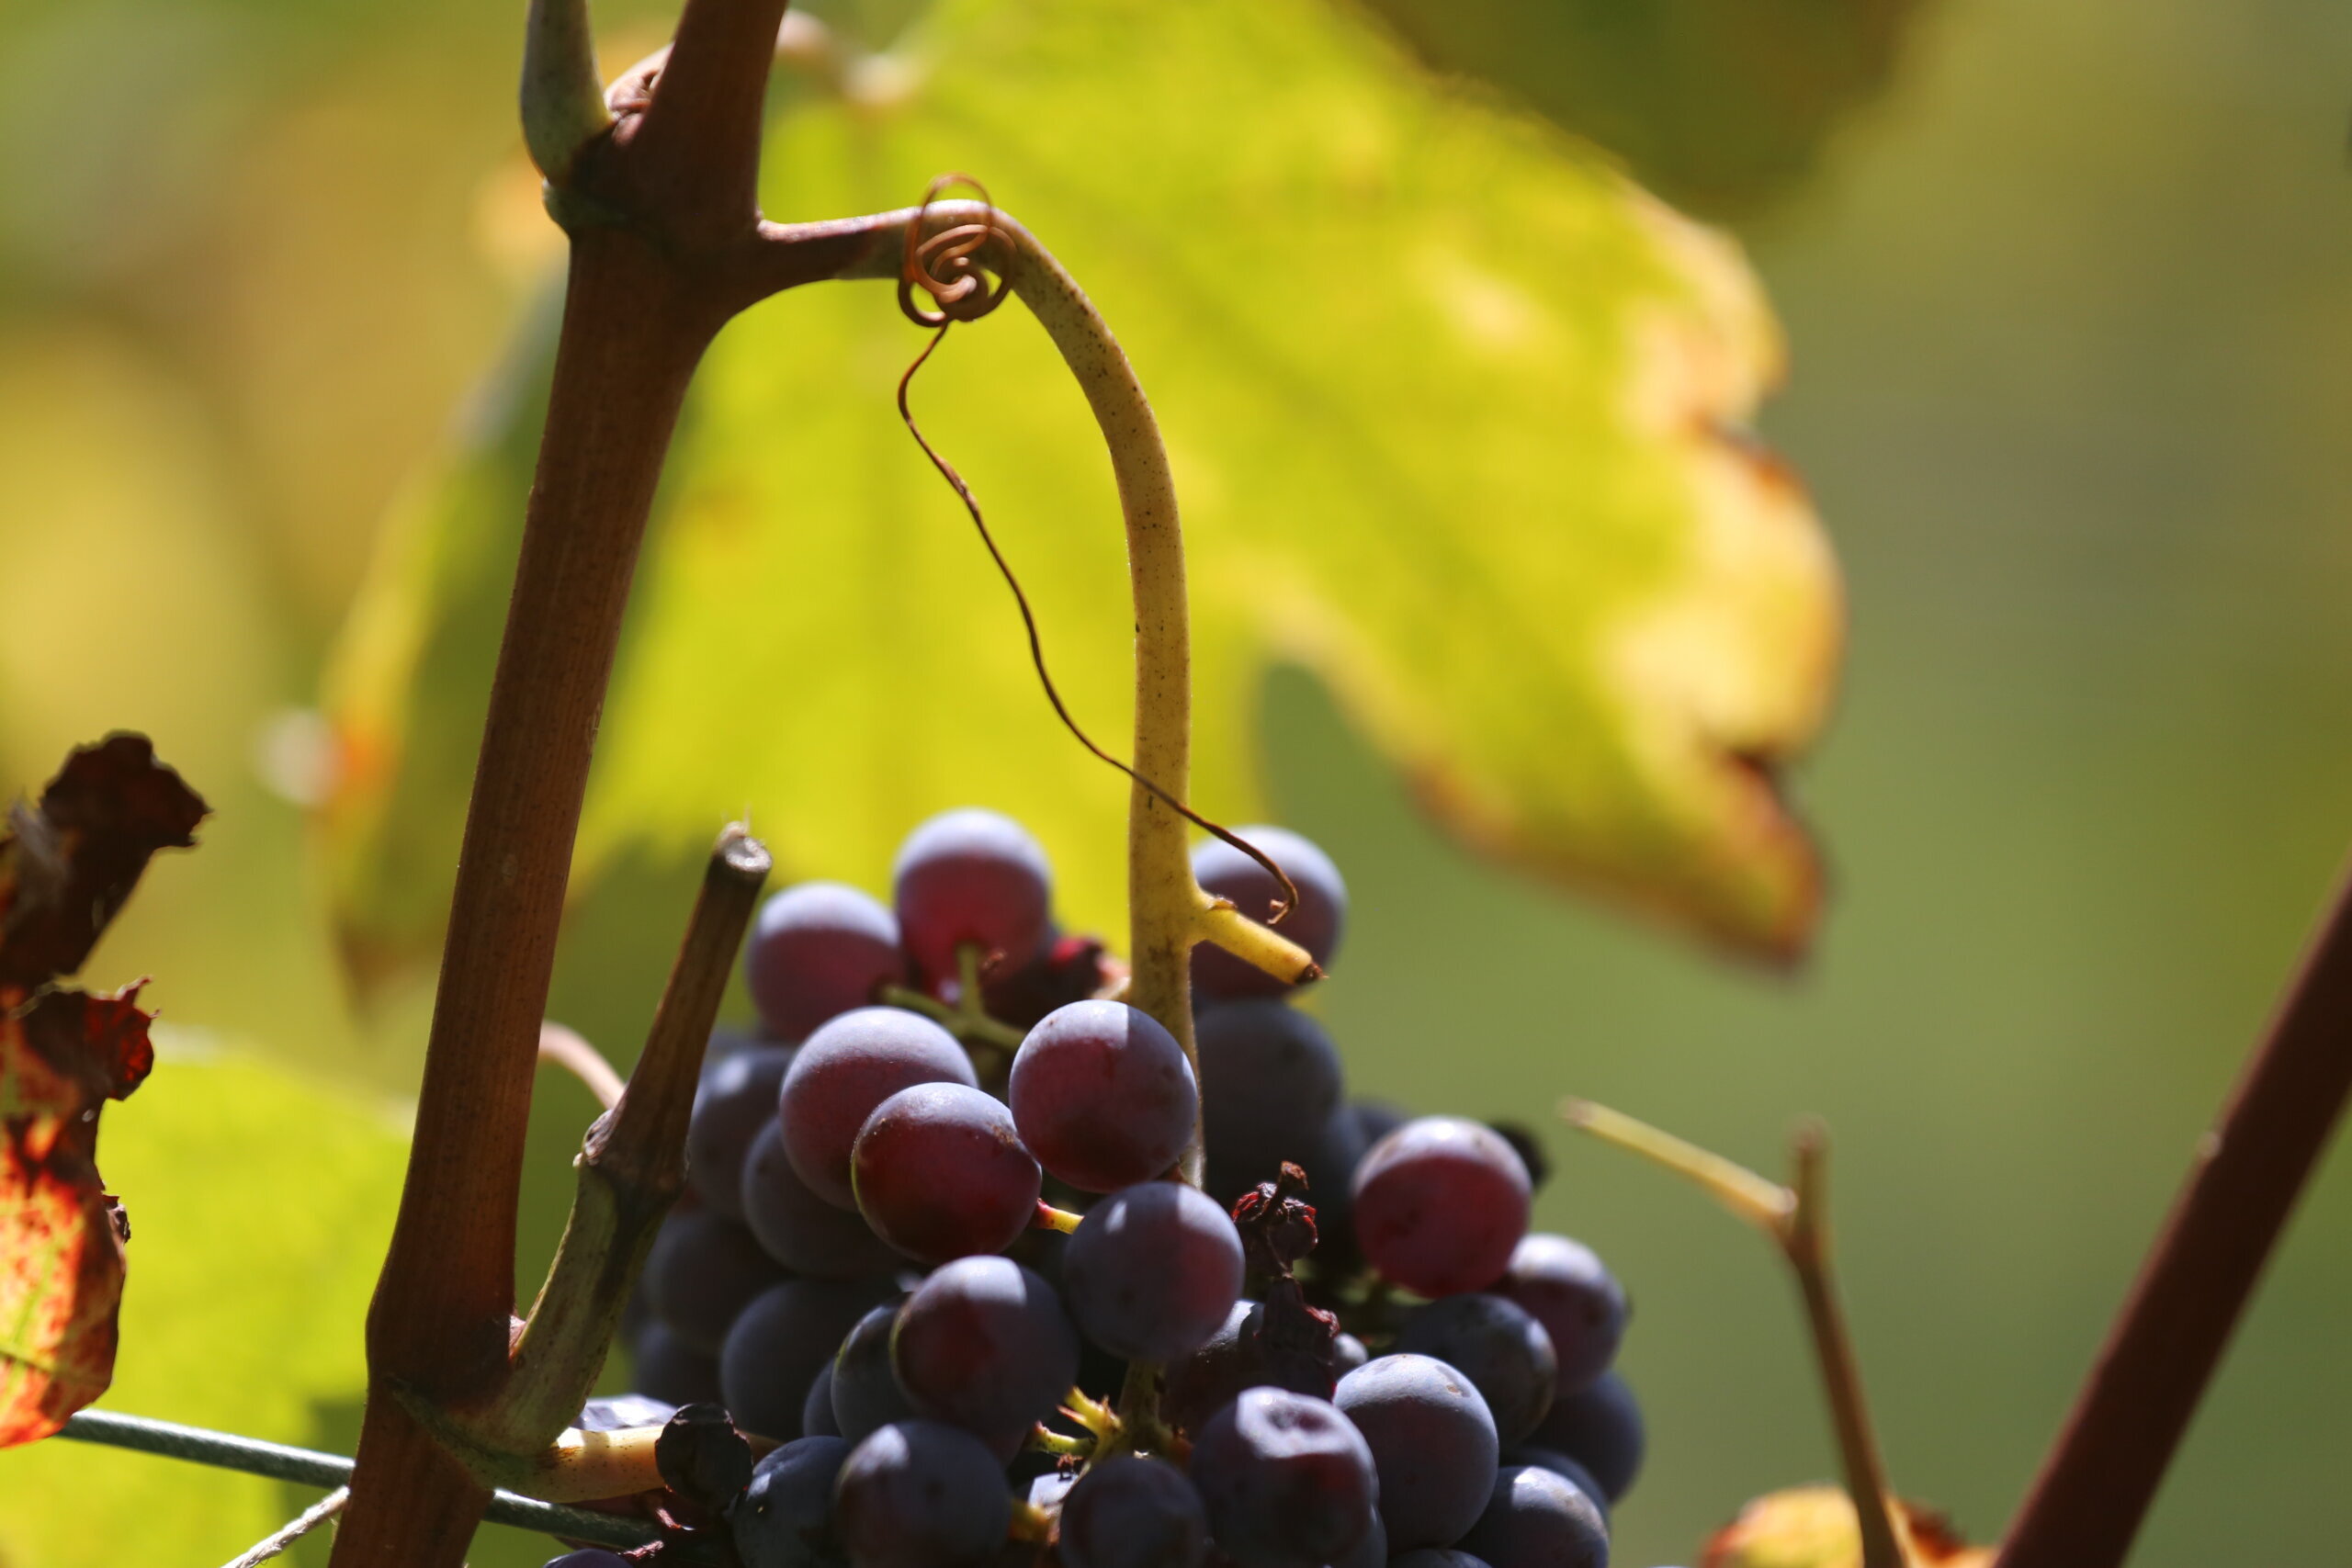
(1315, 925)
(1566, 1288)
(976, 877)
(1133, 1513)
(1372, 1551)
(1287, 1479)
(1236, 1358)
(984, 1344)
(843, 1071)
(785, 1518)
(1329, 1160)
(1538, 1519)
(1440, 1203)
(1201, 1384)
(1103, 1096)
(1270, 1077)
(865, 1393)
(799, 1229)
(1562, 1465)
(939, 1173)
(1432, 1441)
(1152, 1271)
(668, 1369)
(1349, 1353)
(1435, 1557)
(702, 1270)
(921, 1495)
(816, 1410)
(1599, 1428)
(817, 951)
(1499, 1345)
(736, 1100)
(773, 1353)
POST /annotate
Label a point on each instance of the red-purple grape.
(1440, 1203)
(817, 951)
(1102, 1095)
(843, 1071)
(984, 1344)
(971, 877)
(939, 1173)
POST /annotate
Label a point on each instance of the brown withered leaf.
(67, 864)
(65, 867)
(1814, 1527)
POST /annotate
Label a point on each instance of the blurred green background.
(2069, 312)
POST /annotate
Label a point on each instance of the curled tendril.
(943, 268)
(946, 265)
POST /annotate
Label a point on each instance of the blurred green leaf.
(259, 1207)
(1719, 104)
(1451, 404)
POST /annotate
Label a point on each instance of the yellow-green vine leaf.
(1455, 413)
(261, 1207)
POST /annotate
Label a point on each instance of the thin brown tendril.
(940, 324)
(944, 266)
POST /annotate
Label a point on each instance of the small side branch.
(631, 1167)
(1796, 1218)
(2100, 1477)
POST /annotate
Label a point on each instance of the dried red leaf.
(61, 1286)
(65, 867)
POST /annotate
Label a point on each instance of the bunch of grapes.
(967, 1291)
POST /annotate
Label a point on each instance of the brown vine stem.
(1796, 1218)
(2101, 1475)
(658, 204)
